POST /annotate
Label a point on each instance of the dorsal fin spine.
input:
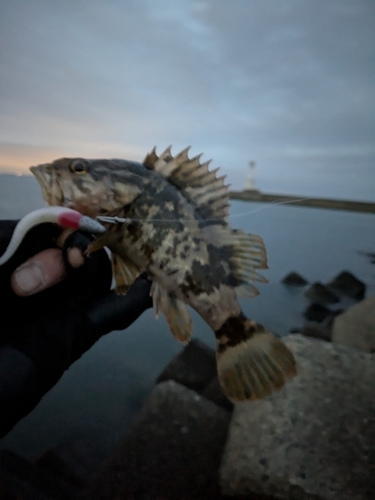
(186, 168)
(201, 186)
(167, 153)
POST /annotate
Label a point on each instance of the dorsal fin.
(197, 183)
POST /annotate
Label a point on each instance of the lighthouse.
(250, 182)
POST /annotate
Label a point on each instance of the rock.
(172, 450)
(347, 284)
(75, 460)
(320, 294)
(317, 312)
(356, 326)
(19, 479)
(316, 331)
(194, 367)
(328, 322)
(51, 462)
(294, 279)
(213, 392)
(295, 329)
(369, 255)
(312, 439)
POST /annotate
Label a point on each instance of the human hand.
(54, 305)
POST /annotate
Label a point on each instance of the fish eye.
(78, 167)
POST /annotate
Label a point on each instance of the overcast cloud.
(288, 83)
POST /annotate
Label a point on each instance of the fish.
(174, 213)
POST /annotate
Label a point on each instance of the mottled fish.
(177, 231)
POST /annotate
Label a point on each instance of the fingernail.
(29, 278)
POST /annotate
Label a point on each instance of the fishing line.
(127, 220)
(288, 202)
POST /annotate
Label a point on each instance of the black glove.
(43, 334)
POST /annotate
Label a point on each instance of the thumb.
(41, 271)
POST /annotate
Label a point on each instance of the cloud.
(279, 82)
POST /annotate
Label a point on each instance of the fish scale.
(195, 259)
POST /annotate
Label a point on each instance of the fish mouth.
(48, 181)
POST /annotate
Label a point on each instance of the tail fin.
(251, 361)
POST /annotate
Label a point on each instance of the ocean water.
(99, 395)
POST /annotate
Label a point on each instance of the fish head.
(92, 187)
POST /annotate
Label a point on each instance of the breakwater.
(331, 204)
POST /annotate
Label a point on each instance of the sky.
(286, 83)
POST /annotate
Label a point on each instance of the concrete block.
(317, 312)
(294, 279)
(313, 439)
(22, 480)
(317, 331)
(75, 460)
(321, 294)
(194, 367)
(347, 284)
(172, 450)
(213, 392)
(356, 326)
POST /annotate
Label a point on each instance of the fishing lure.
(64, 217)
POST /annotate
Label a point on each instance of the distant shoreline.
(351, 206)
(244, 195)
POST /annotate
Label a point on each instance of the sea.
(97, 398)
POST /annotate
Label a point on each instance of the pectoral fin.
(99, 243)
(124, 273)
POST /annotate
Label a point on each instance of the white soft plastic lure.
(64, 217)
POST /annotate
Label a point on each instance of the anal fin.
(175, 312)
(246, 291)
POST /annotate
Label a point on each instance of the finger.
(74, 246)
(74, 254)
(94, 277)
(41, 271)
(65, 233)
